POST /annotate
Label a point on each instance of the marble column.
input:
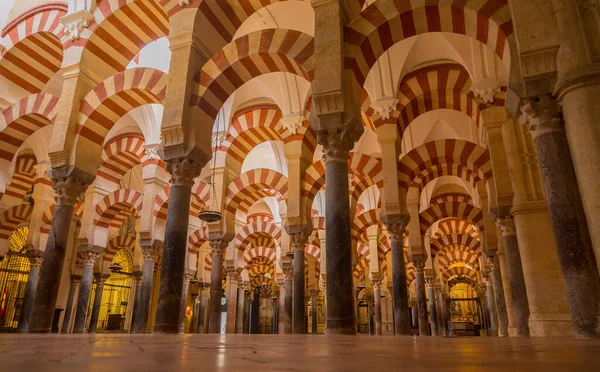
(299, 313)
(70, 299)
(216, 285)
(194, 320)
(203, 308)
(137, 277)
(515, 274)
(391, 294)
(232, 299)
(440, 302)
(239, 315)
(69, 184)
(421, 296)
(313, 310)
(247, 303)
(150, 254)
(183, 171)
(281, 304)
(496, 277)
(377, 300)
(255, 312)
(400, 290)
(490, 302)
(433, 313)
(35, 259)
(287, 314)
(184, 295)
(573, 242)
(100, 280)
(85, 287)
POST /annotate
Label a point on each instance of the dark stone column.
(183, 171)
(194, 301)
(391, 294)
(400, 291)
(490, 301)
(69, 185)
(70, 299)
(216, 285)
(232, 299)
(433, 313)
(203, 308)
(496, 276)
(239, 320)
(35, 258)
(255, 312)
(299, 313)
(87, 275)
(313, 310)
(184, 295)
(150, 254)
(247, 302)
(287, 316)
(573, 242)
(377, 300)
(100, 280)
(419, 264)
(137, 277)
(441, 311)
(515, 275)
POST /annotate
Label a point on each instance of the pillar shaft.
(70, 299)
(490, 300)
(184, 296)
(216, 286)
(313, 312)
(433, 313)
(68, 189)
(85, 288)
(289, 307)
(515, 275)
(137, 277)
(299, 313)
(573, 243)
(100, 280)
(441, 312)
(421, 297)
(239, 320)
(36, 262)
(496, 277)
(183, 171)
(142, 316)
(400, 290)
(232, 299)
(377, 301)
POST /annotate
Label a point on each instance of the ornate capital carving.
(69, 189)
(384, 107)
(396, 226)
(338, 142)
(184, 2)
(187, 278)
(288, 273)
(218, 246)
(506, 225)
(183, 171)
(243, 285)
(419, 265)
(299, 240)
(376, 283)
(485, 90)
(88, 257)
(75, 279)
(75, 23)
(35, 259)
(152, 151)
(292, 123)
(542, 116)
(429, 282)
(494, 262)
(150, 253)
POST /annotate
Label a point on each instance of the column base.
(512, 332)
(341, 331)
(558, 325)
(166, 329)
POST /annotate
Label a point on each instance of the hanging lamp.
(213, 214)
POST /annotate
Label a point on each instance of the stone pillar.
(496, 277)
(100, 280)
(216, 285)
(193, 328)
(299, 313)
(441, 312)
(490, 301)
(433, 313)
(184, 295)
(137, 277)
(71, 297)
(241, 297)
(287, 314)
(377, 298)
(87, 275)
(35, 258)
(515, 274)
(69, 185)
(232, 299)
(419, 264)
(255, 312)
(203, 308)
(573, 243)
(400, 290)
(391, 294)
(183, 171)
(150, 254)
(247, 303)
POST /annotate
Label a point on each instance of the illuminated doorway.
(14, 272)
(464, 307)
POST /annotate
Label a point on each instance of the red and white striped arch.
(49, 213)
(454, 242)
(410, 273)
(459, 271)
(450, 226)
(314, 251)
(251, 186)
(258, 240)
(362, 222)
(23, 177)
(257, 227)
(257, 217)
(33, 49)
(116, 243)
(358, 185)
(447, 258)
(196, 240)
(451, 196)
(121, 154)
(362, 267)
(124, 202)
(13, 218)
(252, 55)
(111, 100)
(447, 157)
(119, 30)
(437, 212)
(253, 253)
(197, 201)
(387, 22)
(21, 120)
(318, 223)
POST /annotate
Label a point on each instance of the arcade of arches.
(381, 167)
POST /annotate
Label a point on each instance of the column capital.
(35, 260)
(542, 115)
(376, 283)
(429, 282)
(218, 246)
(288, 273)
(337, 142)
(69, 184)
(150, 252)
(299, 240)
(101, 278)
(183, 171)
(89, 257)
(187, 278)
(506, 225)
(396, 226)
(234, 276)
(419, 264)
(75, 279)
(494, 262)
(243, 285)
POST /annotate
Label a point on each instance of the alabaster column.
(70, 299)
(573, 243)
(496, 277)
(232, 299)
(183, 171)
(241, 297)
(433, 314)
(400, 290)
(85, 287)
(289, 307)
(69, 185)
(184, 295)
(490, 302)
(515, 275)
(299, 313)
(377, 298)
(150, 254)
(100, 280)
(216, 285)
(421, 296)
(35, 259)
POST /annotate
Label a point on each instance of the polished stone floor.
(148, 353)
